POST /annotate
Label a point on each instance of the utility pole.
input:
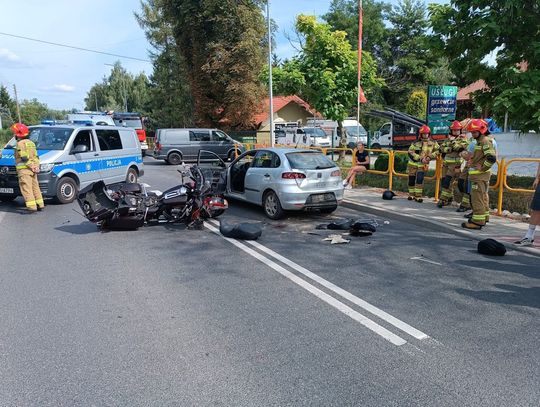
(17, 103)
(360, 12)
(95, 97)
(272, 141)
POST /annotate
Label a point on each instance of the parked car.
(281, 179)
(74, 156)
(178, 145)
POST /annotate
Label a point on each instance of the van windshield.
(315, 132)
(46, 138)
(353, 130)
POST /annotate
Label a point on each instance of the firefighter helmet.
(456, 125)
(478, 125)
(20, 130)
(424, 129)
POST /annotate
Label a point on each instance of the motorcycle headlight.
(46, 167)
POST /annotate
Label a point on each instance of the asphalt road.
(167, 316)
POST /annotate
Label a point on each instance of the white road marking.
(345, 294)
(419, 258)
(368, 323)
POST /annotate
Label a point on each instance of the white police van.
(73, 156)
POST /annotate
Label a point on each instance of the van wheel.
(66, 190)
(132, 176)
(272, 206)
(174, 159)
(376, 146)
(7, 198)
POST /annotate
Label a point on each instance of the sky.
(61, 77)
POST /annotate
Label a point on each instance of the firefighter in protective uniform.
(421, 152)
(27, 165)
(480, 164)
(452, 161)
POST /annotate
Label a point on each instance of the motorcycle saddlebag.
(245, 231)
(95, 203)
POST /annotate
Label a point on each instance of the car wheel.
(376, 146)
(132, 176)
(328, 210)
(174, 159)
(7, 198)
(66, 190)
(272, 206)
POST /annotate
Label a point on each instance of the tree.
(223, 44)
(343, 16)
(121, 91)
(33, 112)
(417, 104)
(411, 58)
(7, 105)
(496, 41)
(169, 100)
(325, 72)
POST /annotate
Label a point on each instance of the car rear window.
(306, 160)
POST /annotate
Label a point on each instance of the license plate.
(6, 190)
(322, 198)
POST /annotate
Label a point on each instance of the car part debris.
(336, 239)
(340, 224)
(244, 231)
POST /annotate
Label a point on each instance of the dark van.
(177, 145)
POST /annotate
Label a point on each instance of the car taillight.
(336, 173)
(293, 175)
(158, 147)
(142, 134)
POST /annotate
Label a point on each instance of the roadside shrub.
(400, 163)
(5, 136)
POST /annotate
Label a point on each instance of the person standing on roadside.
(421, 152)
(452, 161)
(27, 165)
(362, 164)
(528, 239)
(479, 164)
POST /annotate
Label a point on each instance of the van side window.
(219, 136)
(84, 138)
(109, 140)
(198, 135)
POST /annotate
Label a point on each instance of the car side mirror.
(81, 148)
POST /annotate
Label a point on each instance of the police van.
(73, 156)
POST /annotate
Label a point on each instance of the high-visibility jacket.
(484, 156)
(421, 149)
(26, 155)
(451, 149)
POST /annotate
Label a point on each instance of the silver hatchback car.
(282, 179)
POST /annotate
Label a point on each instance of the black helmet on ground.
(388, 195)
(491, 247)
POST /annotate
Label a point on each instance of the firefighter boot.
(471, 225)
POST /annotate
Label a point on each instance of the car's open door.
(214, 170)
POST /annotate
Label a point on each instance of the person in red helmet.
(27, 165)
(452, 161)
(421, 152)
(480, 163)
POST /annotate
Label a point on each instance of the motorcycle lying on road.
(131, 205)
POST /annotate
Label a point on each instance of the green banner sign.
(441, 107)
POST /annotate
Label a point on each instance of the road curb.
(433, 225)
